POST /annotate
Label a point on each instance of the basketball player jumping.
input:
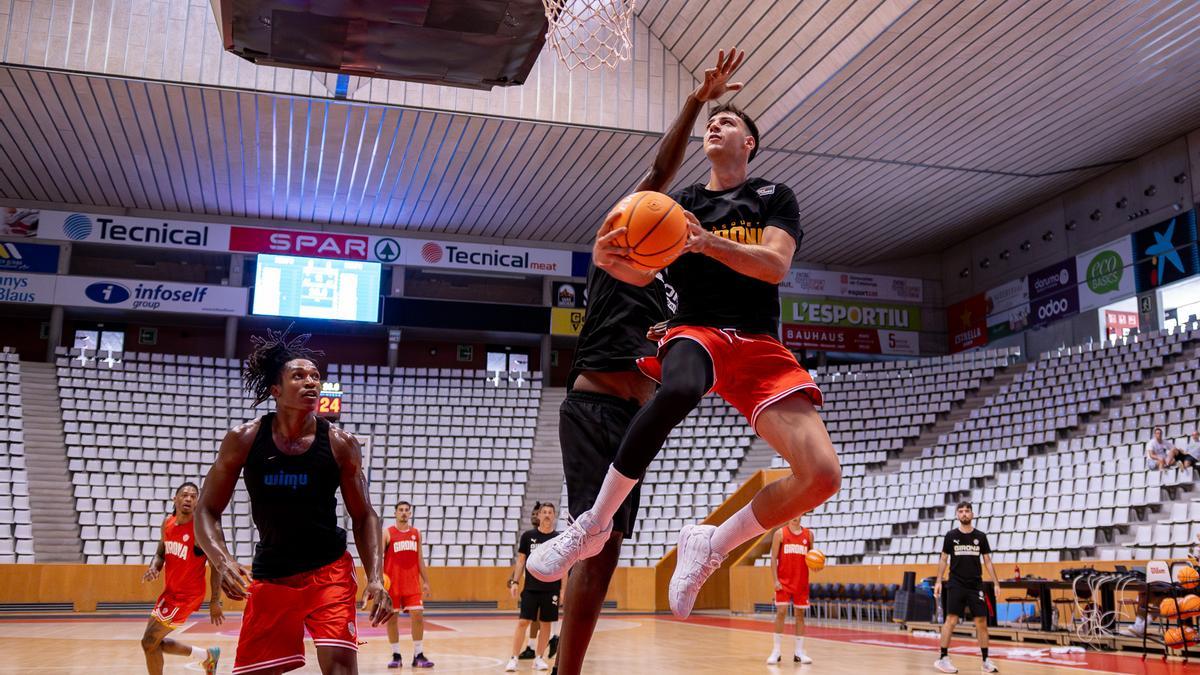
(789, 566)
(183, 587)
(605, 388)
(968, 551)
(743, 234)
(539, 600)
(293, 463)
(404, 565)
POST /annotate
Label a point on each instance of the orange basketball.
(1188, 577)
(815, 560)
(387, 583)
(1175, 638)
(656, 228)
(1168, 608)
(1189, 606)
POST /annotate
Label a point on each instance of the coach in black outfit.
(967, 550)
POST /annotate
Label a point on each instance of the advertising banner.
(1105, 274)
(564, 321)
(153, 296)
(966, 322)
(483, 257)
(856, 340)
(1052, 280)
(1166, 252)
(1118, 324)
(1007, 308)
(27, 289)
(849, 285)
(128, 231)
(570, 295)
(25, 257)
(851, 314)
(1053, 308)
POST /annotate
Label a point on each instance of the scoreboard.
(329, 402)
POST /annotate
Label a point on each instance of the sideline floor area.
(625, 644)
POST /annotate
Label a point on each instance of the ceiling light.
(1096, 215)
(985, 263)
(1026, 245)
(1150, 191)
(964, 273)
(1181, 178)
(1005, 254)
(1048, 236)
(1122, 203)
(1071, 225)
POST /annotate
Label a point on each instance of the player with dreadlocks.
(292, 463)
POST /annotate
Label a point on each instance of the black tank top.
(293, 504)
(618, 314)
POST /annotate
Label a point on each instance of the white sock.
(395, 647)
(613, 492)
(741, 527)
(799, 645)
(199, 653)
(778, 641)
(418, 647)
(532, 644)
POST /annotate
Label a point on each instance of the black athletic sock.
(687, 374)
(396, 656)
(983, 650)
(945, 652)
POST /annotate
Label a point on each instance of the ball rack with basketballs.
(1179, 607)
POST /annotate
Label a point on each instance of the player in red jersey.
(404, 566)
(183, 588)
(293, 464)
(789, 566)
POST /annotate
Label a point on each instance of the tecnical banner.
(218, 237)
(851, 314)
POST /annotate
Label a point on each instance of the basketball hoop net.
(590, 33)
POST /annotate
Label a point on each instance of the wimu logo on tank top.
(285, 479)
(177, 548)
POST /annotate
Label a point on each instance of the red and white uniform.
(183, 574)
(400, 563)
(792, 567)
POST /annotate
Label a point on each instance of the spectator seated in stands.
(1191, 452)
(1160, 454)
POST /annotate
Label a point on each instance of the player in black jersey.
(968, 552)
(743, 234)
(293, 463)
(605, 388)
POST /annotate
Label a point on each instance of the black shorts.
(959, 599)
(539, 605)
(590, 429)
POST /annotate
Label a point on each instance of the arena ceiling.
(903, 126)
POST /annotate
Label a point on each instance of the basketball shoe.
(551, 560)
(210, 661)
(696, 562)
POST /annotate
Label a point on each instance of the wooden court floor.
(624, 645)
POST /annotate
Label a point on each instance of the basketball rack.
(590, 33)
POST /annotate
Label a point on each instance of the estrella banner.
(966, 323)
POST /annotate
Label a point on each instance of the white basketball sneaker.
(802, 659)
(539, 664)
(943, 664)
(551, 559)
(989, 667)
(774, 658)
(696, 562)
(512, 665)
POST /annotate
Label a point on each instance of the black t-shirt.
(710, 292)
(531, 539)
(614, 328)
(966, 551)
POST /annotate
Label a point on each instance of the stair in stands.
(758, 457)
(545, 482)
(945, 424)
(55, 523)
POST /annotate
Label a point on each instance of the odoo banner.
(1105, 274)
(849, 285)
(152, 296)
(851, 314)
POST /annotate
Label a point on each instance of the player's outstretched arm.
(776, 544)
(674, 143)
(214, 498)
(768, 261)
(365, 521)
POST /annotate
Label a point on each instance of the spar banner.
(1052, 308)
(1166, 252)
(223, 238)
(1051, 280)
(966, 322)
(850, 314)
(855, 340)
(1105, 274)
(1007, 309)
(151, 296)
(851, 285)
(20, 256)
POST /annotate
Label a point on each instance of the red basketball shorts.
(172, 610)
(798, 597)
(405, 601)
(751, 371)
(279, 610)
